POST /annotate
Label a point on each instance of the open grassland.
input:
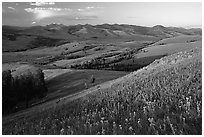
(167, 49)
(74, 81)
(179, 39)
(162, 98)
(123, 54)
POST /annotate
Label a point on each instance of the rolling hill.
(22, 38)
(163, 98)
(113, 47)
(159, 94)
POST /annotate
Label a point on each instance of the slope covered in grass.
(162, 98)
(167, 49)
(74, 81)
(179, 39)
(24, 38)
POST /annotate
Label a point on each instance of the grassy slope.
(179, 39)
(163, 98)
(168, 49)
(157, 51)
(17, 38)
(73, 81)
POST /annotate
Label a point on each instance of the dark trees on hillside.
(103, 62)
(22, 88)
(8, 96)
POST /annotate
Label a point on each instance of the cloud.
(33, 22)
(77, 14)
(11, 8)
(41, 3)
(41, 13)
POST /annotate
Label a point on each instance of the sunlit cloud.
(43, 12)
(11, 8)
(42, 3)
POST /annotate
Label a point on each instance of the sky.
(177, 14)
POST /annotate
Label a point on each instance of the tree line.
(103, 63)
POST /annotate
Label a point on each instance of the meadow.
(163, 98)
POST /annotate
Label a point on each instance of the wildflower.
(184, 120)
(120, 126)
(103, 131)
(139, 122)
(130, 128)
(62, 131)
(114, 128)
(151, 120)
(198, 109)
(171, 125)
(145, 110)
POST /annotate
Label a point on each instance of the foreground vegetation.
(163, 98)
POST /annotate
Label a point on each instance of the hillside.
(106, 47)
(163, 98)
(24, 38)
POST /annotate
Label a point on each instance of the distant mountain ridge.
(97, 28)
(29, 37)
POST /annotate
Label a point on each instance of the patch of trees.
(193, 40)
(125, 67)
(104, 63)
(98, 48)
(162, 43)
(21, 88)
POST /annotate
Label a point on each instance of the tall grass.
(167, 101)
